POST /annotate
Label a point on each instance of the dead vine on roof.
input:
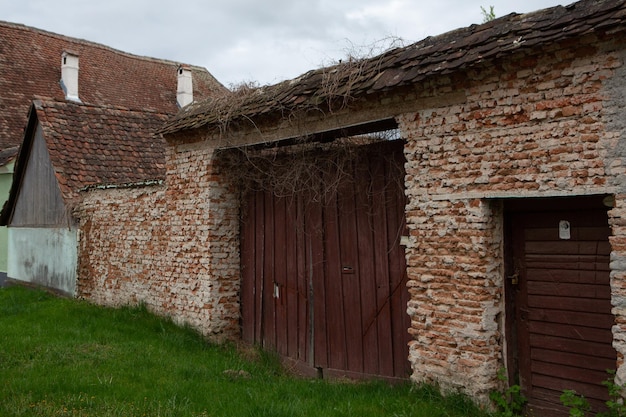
(307, 168)
(314, 170)
(339, 80)
(323, 91)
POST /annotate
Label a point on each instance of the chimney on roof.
(184, 91)
(69, 75)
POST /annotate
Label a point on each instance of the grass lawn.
(62, 357)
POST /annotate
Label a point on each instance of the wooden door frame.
(316, 258)
(517, 371)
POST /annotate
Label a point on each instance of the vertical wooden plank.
(397, 263)
(280, 274)
(350, 274)
(304, 326)
(523, 338)
(366, 259)
(248, 257)
(335, 309)
(39, 201)
(292, 279)
(259, 281)
(316, 283)
(269, 312)
(381, 262)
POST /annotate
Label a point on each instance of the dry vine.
(323, 91)
(314, 170)
(362, 61)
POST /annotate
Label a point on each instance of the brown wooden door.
(324, 277)
(560, 306)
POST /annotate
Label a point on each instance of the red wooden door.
(324, 277)
(560, 315)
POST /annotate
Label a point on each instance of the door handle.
(515, 276)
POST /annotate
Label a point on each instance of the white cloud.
(247, 40)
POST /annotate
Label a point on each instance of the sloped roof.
(92, 146)
(30, 64)
(100, 145)
(8, 155)
(399, 67)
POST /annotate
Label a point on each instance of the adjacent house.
(84, 115)
(490, 234)
(69, 146)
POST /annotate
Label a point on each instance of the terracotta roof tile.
(8, 155)
(30, 64)
(101, 145)
(441, 54)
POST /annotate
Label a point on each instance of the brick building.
(511, 234)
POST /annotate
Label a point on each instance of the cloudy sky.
(252, 40)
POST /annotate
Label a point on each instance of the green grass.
(61, 357)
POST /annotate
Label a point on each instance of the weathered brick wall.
(617, 220)
(615, 164)
(203, 211)
(172, 247)
(535, 125)
(121, 245)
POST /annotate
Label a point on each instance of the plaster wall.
(44, 256)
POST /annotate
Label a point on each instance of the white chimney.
(69, 75)
(184, 91)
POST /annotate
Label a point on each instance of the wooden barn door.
(324, 277)
(560, 303)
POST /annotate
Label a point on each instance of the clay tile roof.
(441, 54)
(30, 64)
(8, 155)
(101, 145)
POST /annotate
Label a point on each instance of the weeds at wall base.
(578, 405)
(509, 402)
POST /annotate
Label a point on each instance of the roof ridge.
(21, 26)
(42, 102)
(434, 55)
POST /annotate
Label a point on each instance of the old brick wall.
(534, 125)
(173, 247)
(615, 162)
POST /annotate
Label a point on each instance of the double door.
(324, 275)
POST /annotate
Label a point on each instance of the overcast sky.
(254, 40)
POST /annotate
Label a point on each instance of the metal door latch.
(515, 276)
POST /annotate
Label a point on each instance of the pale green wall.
(6, 176)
